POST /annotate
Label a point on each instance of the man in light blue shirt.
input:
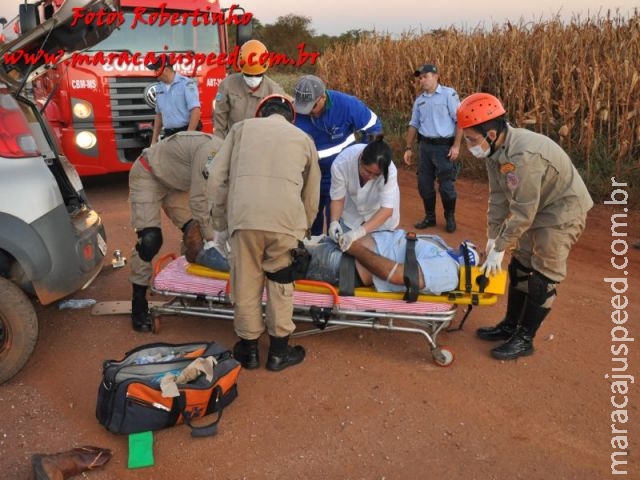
(380, 258)
(177, 101)
(433, 119)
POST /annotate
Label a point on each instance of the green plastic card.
(140, 450)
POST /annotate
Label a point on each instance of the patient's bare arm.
(380, 266)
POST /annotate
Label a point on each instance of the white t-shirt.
(361, 203)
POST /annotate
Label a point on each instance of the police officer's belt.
(438, 140)
(171, 131)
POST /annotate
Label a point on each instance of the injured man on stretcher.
(380, 259)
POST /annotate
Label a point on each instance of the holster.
(297, 269)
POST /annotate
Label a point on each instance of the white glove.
(209, 244)
(335, 231)
(351, 236)
(490, 243)
(493, 263)
(221, 242)
(221, 237)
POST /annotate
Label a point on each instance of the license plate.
(102, 245)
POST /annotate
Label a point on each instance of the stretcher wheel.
(442, 356)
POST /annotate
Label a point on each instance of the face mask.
(478, 152)
(252, 82)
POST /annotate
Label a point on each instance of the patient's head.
(470, 251)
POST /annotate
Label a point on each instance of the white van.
(52, 243)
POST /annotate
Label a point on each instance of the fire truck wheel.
(18, 329)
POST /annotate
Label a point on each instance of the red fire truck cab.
(101, 102)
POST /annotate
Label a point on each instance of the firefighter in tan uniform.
(172, 176)
(240, 93)
(538, 206)
(266, 186)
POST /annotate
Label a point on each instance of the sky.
(334, 17)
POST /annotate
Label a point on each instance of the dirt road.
(364, 404)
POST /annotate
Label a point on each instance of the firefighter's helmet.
(478, 108)
(276, 103)
(254, 58)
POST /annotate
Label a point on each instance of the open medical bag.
(130, 398)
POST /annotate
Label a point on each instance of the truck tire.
(18, 329)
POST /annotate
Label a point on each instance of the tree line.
(288, 31)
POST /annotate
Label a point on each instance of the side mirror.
(243, 32)
(29, 17)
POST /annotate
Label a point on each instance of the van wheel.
(18, 329)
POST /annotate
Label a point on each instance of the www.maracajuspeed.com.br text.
(192, 59)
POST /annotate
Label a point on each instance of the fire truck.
(101, 103)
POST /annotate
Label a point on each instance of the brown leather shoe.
(63, 465)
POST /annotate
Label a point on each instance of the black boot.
(429, 219)
(449, 205)
(283, 355)
(521, 344)
(246, 352)
(507, 327)
(140, 316)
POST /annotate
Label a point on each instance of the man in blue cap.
(433, 122)
(332, 119)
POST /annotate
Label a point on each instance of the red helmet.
(478, 108)
(276, 103)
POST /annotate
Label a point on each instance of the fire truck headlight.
(86, 140)
(82, 109)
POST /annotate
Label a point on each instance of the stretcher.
(199, 291)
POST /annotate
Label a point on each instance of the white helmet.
(470, 250)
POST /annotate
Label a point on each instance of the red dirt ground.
(364, 404)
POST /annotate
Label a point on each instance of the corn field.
(577, 82)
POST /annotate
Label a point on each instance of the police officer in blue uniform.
(177, 100)
(433, 121)
(332, 119)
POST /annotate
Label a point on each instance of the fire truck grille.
(132, 117)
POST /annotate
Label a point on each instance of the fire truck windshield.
(155, 38)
